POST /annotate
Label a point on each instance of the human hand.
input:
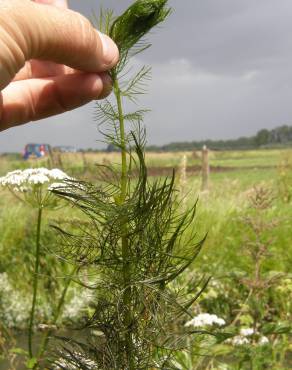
(51, 60)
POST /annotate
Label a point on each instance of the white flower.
(263, 340)
(76, 304)
(38, 179)
(242, 339)
(23, 181)
(14, 307)
(205, 319)
(14, 178)
(57, 174)
(35, 185)
(246, 332)
(239, 341)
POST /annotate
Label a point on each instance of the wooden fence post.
(85, 163)
(183, 179)
(205, 168)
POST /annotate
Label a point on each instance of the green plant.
(34, 187)
(285, 178)
(250, 296)
(134, 240)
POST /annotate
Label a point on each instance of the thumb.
(29, 30)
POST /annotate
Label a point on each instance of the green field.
(247, 214)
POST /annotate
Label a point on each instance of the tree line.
(277, 137)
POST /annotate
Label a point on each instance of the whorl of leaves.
(137, 21)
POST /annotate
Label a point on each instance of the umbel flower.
(205, 319)
(34, 185)
(30, 177)
(248, 336)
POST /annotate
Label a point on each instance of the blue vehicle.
(36, 151)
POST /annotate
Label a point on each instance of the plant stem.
(35, 281)
(46, 337)
(123, 141)
(124, 231)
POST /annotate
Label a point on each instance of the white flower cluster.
(15, 305)
(244, 338)
(205, 319)
(66, 362)
(22, 180)
(76, 303)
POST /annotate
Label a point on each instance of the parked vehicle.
(36, 151)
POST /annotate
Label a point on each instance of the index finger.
(29, 30)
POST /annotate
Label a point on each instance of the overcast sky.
(221, 69)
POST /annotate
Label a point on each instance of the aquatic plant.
(135, 238)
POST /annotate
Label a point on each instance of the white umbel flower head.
(248, 336)
(205, 319)
(35, 184)
(32, 176)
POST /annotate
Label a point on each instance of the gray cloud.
(221, 69)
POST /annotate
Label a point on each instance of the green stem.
(35, 282)
(46, 337)
(124, 231)
(124, 174)
(190, 345)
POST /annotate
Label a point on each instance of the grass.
(76, 162)
(219, 213)
(227, 189)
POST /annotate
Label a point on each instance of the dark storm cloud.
(228, 36)
(221, 68)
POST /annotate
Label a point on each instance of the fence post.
(205, 168)
(55, 158)
(183, 179)
(85, 163)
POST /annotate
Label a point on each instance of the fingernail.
(61, 3)
(57, 3)
(107, 85)
(110, 49)
(101, 85)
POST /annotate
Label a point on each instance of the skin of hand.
(51, 60)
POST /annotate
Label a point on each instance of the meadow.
(246, 212)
